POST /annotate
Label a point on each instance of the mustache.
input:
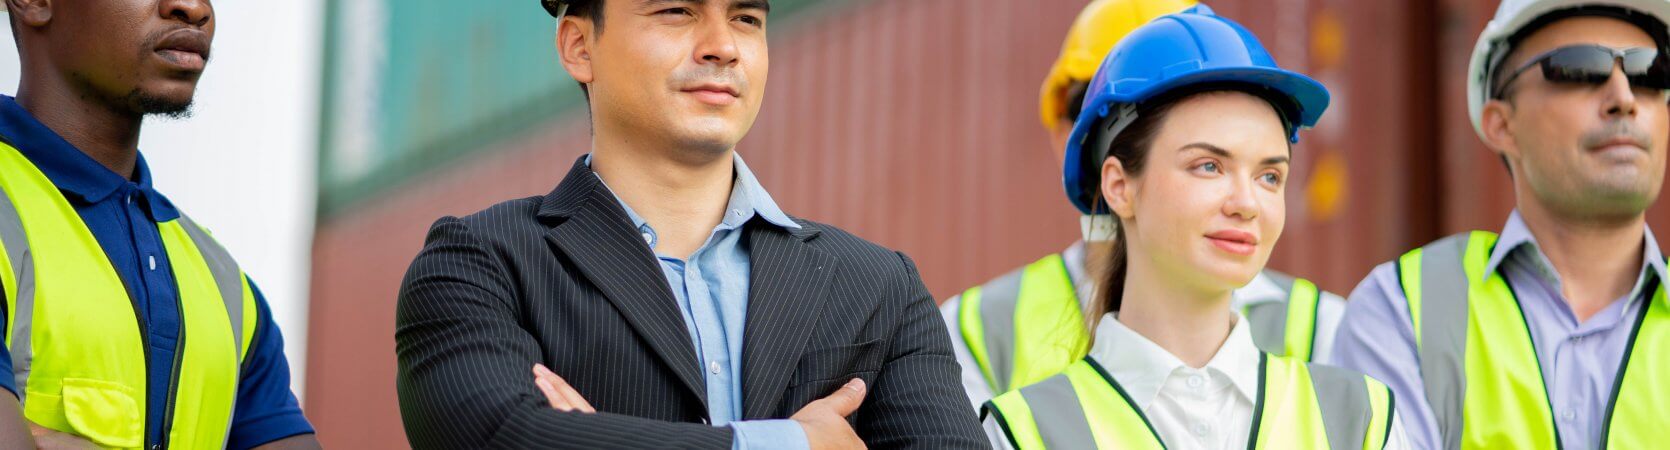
(156, 38)
(704, 74)
(1616, 129)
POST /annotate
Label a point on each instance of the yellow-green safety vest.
(1479, 364)
(78, 347)
(1027, 325)
(1299, 406)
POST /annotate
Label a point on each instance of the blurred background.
(330, 134)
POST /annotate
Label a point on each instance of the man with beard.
(126, 325)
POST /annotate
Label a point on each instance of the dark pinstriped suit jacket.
(565, 280)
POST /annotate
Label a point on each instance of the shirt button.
(649, 238)
(1568, 415)
(1196, 381)
(736, 212)
(153, 261)
(1200, 429)
(713, 366)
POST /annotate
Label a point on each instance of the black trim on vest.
(1629, 349)
(1258, 404)
(1397, 266)
(1391, 413)
(1553, 423)
(1001, 423)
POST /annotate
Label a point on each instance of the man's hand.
(825, 419)
(49, 439)
(557, 391)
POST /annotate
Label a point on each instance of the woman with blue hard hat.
(1191, 124)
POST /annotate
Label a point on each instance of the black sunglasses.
(1592, 65)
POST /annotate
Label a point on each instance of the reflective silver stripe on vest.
(1269, 325)
(23, 267)
(1346, 412)
(1444, 333)
(998, 300)
(230, 281)
(226, 275)
(1058, 414)
(1269, 319)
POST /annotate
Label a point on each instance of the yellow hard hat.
(1093, 34)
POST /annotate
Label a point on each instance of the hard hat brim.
(1308, 100)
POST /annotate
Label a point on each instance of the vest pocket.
(103, 412)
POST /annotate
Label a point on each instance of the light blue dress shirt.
(1579, 359)
(712, 292)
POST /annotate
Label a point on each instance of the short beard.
(150, 105)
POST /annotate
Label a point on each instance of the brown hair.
(1131, 148)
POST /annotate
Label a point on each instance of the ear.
(1494, 120)
(1118, 189)
(30, 13)
(574, 44)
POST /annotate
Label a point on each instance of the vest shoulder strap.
(17, 281)
(229, 279)
(1025, 325)
(1438, 281)
(1356, 410)
(1287, 328)
(1082, 407)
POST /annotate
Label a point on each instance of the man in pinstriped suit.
(658, 297)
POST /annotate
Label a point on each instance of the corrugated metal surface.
(1357, 197)
(913, 123)
(414, 85)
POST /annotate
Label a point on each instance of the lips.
(187, 49)
(715, 88)
(1234, 241)
(1620, 141)
(713, 94)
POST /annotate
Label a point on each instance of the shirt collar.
(1515, 235)
(754, 199)
(1141, 366)
(80, 178)
(748, 199)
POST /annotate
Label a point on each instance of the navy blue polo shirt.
(123, 216)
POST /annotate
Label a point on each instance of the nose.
(1620, 102)
(1243, 202)
(717, 43)
(196, 13)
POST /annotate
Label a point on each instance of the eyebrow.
(1221, 153)
(763, 5)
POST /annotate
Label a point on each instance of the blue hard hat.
(1193, 48)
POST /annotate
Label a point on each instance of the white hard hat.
(1514, 15)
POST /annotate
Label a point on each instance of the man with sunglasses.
(1555, 333)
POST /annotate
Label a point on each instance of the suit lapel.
(596, 235)
(787, 292)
